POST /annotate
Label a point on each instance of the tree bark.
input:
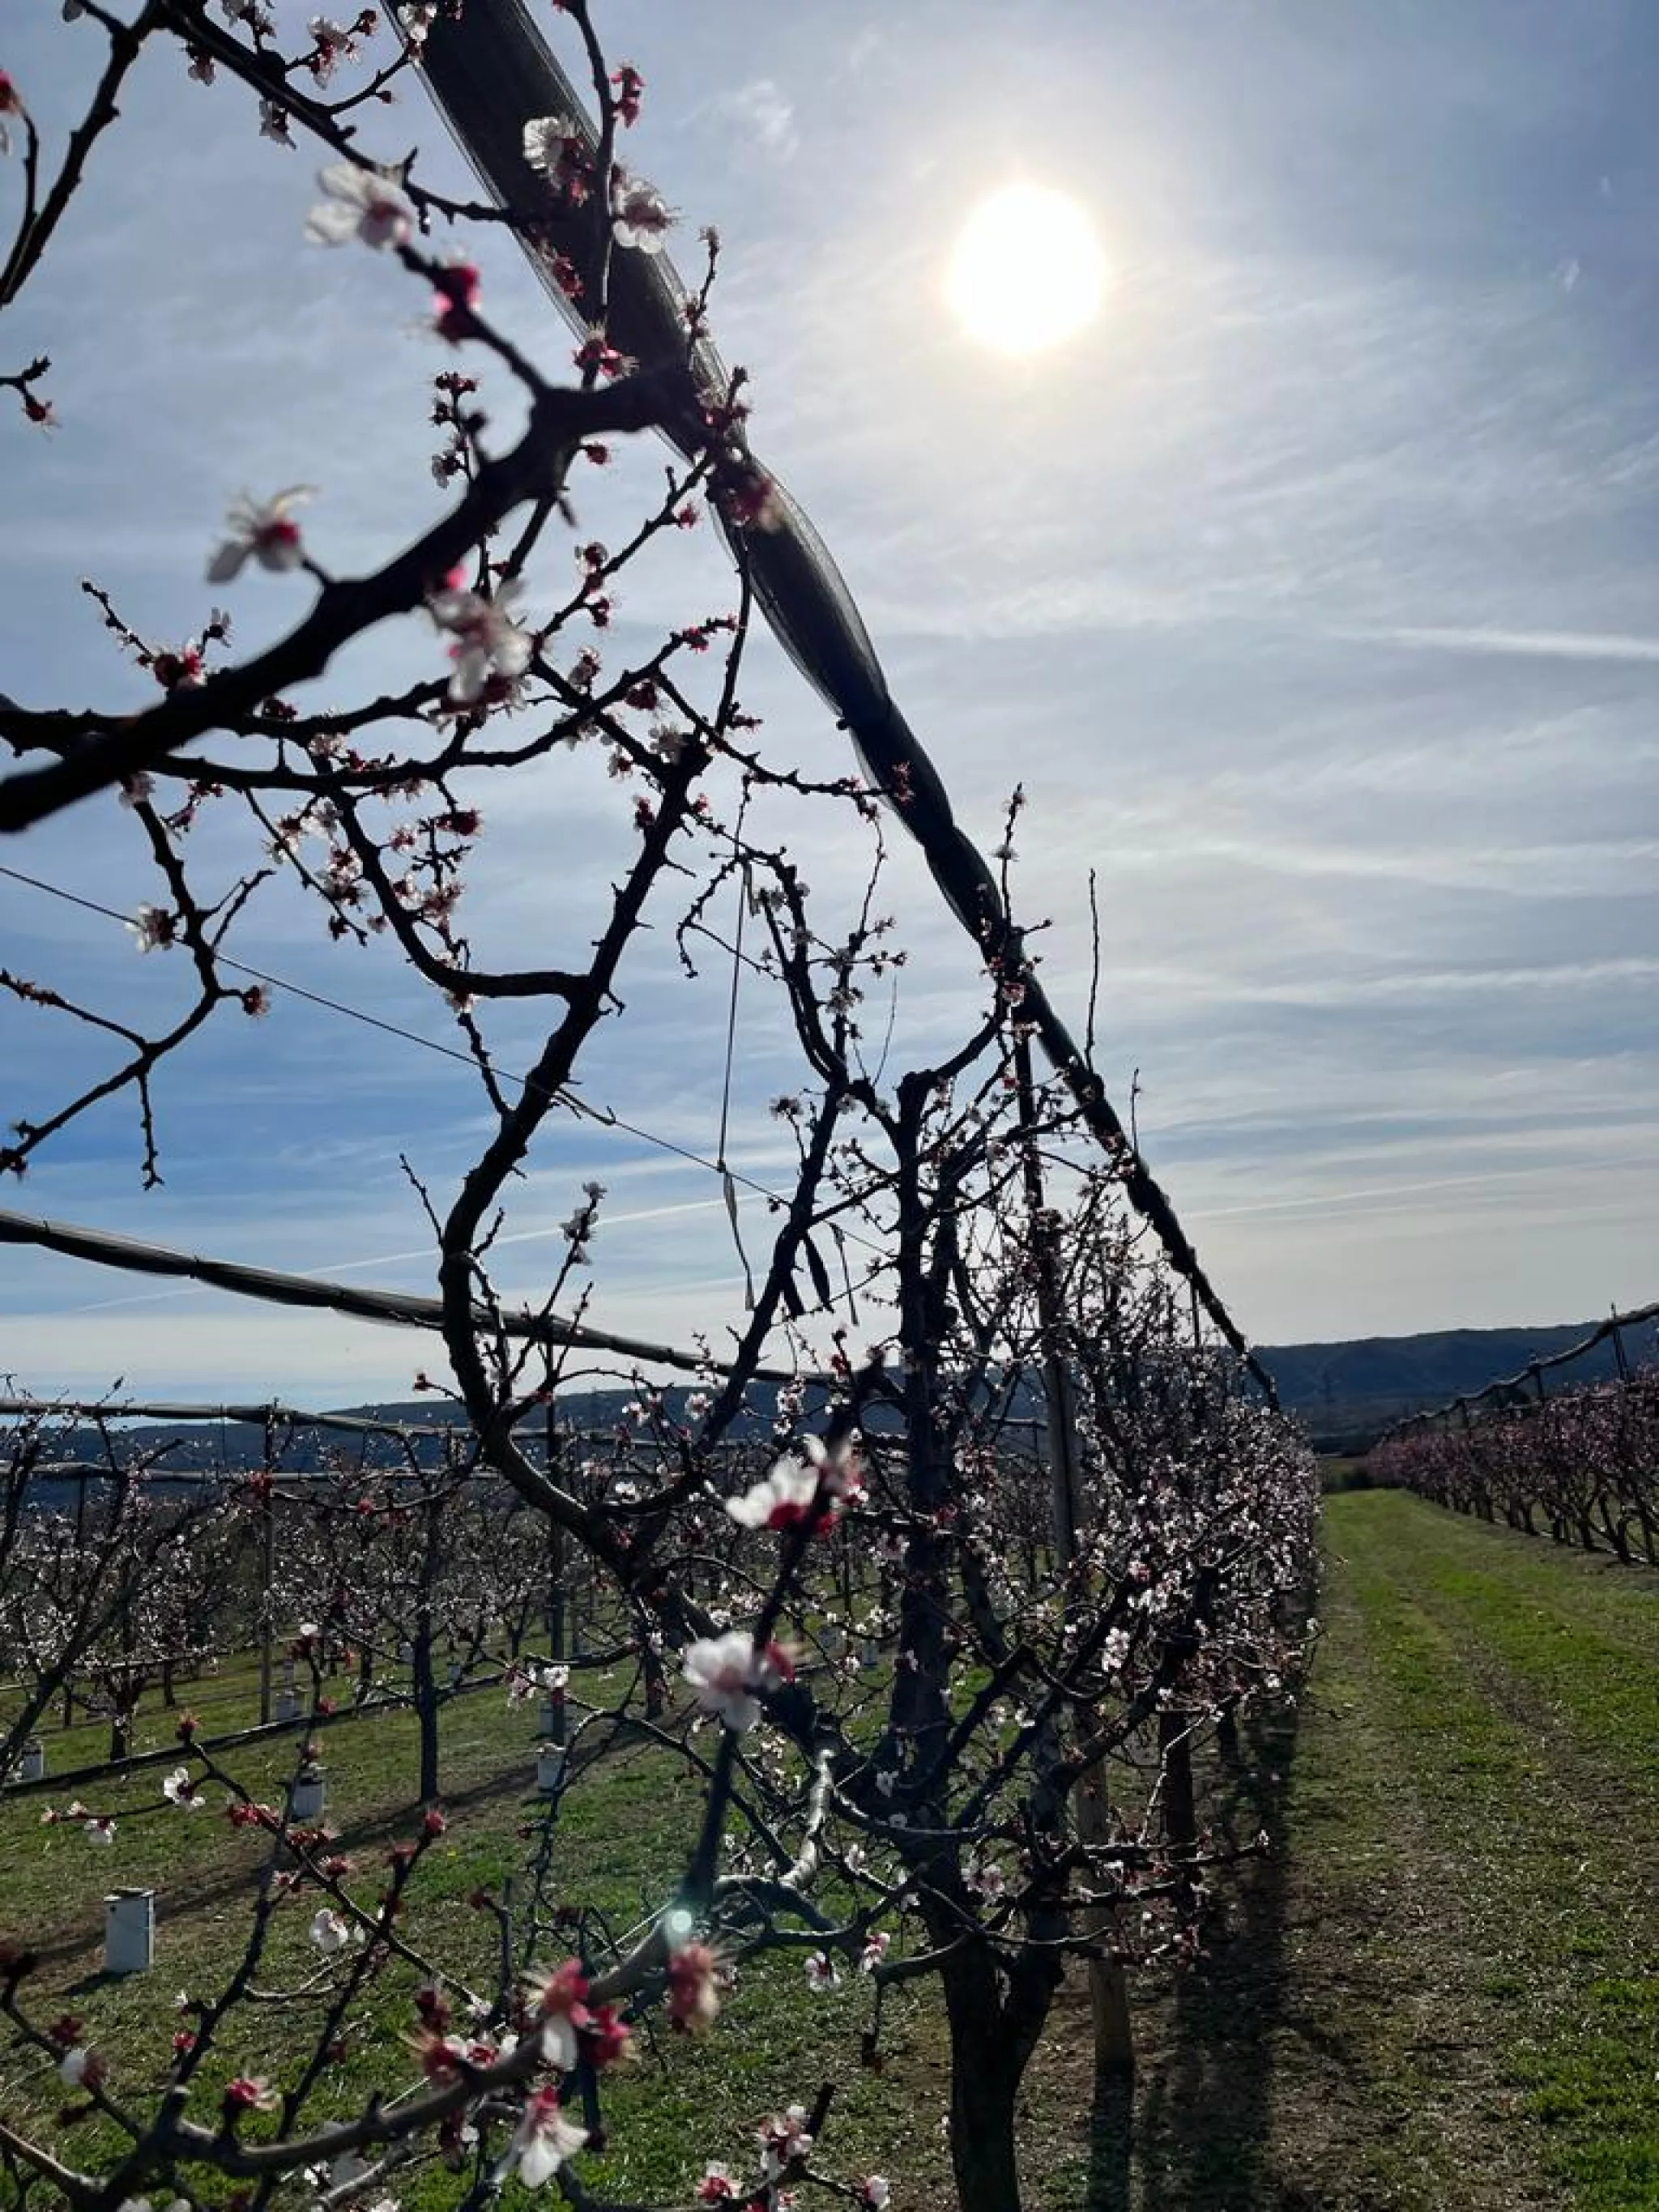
(985, 2075)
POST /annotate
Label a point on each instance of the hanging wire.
(603, 1116)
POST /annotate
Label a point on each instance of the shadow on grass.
(1191, 2134)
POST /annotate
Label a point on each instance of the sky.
(1309, 593)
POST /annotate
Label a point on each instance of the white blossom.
(783, 2139)
(331, 1933)
(335, 44)
(781, 1499)
(640, 216)
(728, 1675)
(179, 1789)
(985, 1879)
(544, 2139)
(488, 642)
(361, 204)
(152, 926)
(786, 1494)
(266, 533)
(545, 138)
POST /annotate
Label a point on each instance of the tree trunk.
(984, 2084)
(1180, 1807)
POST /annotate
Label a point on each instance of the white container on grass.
(129, 1931)
(34, 1767)
(550, 1769)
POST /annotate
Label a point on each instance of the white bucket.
(34, 1767)
(129, 1931)
(550, 1769)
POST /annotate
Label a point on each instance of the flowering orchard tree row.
(937, 1692)
(1582, 1465)
(897, 1820)
(117, 1582)
(97, 1601)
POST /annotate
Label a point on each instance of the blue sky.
(1311, 593)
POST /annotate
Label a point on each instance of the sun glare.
(1027, 271)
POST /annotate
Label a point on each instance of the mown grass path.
(1445, 1989)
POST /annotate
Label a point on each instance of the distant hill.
(1346, 1392)
(1365, 1383)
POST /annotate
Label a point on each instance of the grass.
(1479, 1765)
(622, 1837)
(1441, 1987)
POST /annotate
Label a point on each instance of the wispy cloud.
(1525, 644)
(765, 113)
(1309, 595)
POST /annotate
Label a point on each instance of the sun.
(1027, 271)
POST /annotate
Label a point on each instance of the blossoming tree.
(936, 1737)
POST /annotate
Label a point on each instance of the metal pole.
(267, 1577)
(555, 1587)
